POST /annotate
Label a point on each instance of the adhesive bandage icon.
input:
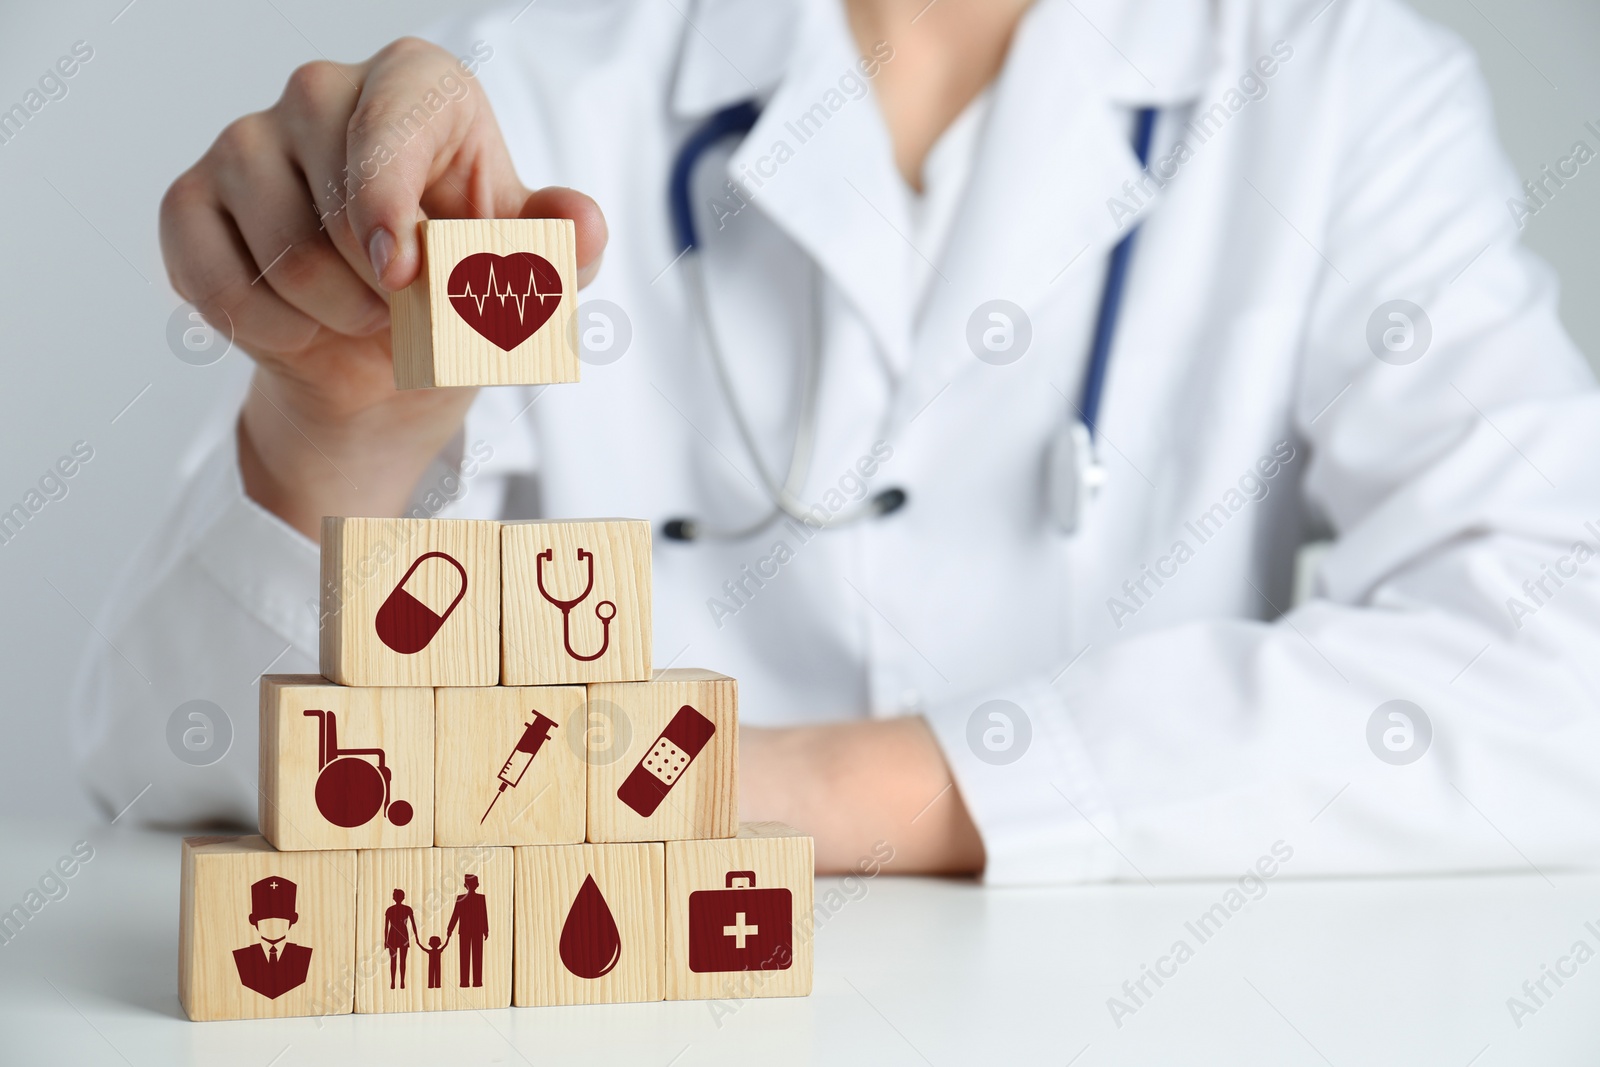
(648, 783)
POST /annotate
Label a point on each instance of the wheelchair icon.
(350, 790)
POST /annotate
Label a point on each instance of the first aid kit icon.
(740, 927)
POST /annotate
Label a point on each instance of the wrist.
(301, 461)
(857, 786)
(773, 773)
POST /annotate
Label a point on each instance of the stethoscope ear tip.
(679, 530)
(889, 501)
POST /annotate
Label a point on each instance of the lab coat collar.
(1136, 52)
(820, 165)
(733, 50)
(1056, 146)
(1034, 221)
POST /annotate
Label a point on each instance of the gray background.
(80, 187)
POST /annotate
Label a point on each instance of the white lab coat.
(1179, 725)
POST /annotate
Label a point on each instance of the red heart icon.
(505, 298)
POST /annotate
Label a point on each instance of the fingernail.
(380, 249)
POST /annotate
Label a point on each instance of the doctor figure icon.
(274, 964)
(471, 914)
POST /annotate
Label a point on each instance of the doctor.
(1327, 330)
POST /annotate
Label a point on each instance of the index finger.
(416, 115)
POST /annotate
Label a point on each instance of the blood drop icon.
(404, 622)
(590, 943)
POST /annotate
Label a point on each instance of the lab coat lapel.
(1034, 226)
(733, 50)
(819, 164)
(1034, 221)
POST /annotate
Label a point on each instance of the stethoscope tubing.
(738, 120)
(1105, 324)
(566, 606)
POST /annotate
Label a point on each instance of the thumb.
(558, 202)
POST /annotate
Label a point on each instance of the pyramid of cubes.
(488, 798)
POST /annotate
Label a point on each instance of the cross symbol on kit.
(739, 931)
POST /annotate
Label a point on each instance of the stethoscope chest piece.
(1073, 476)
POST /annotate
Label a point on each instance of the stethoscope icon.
(566, 606)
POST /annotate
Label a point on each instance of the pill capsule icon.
(405, 623)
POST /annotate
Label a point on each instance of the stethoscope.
(566, 606)
(1074, 475)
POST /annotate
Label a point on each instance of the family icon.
(470, 918)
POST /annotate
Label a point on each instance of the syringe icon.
(516, 765)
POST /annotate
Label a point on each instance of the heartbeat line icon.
(493, 291)
(505, 298)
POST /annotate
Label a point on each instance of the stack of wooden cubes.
(488, 798)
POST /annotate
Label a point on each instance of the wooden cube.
(344, 768)
(576, 602)
(664, 757)
(510, 765)
(434, 929)
(495, 304)
(589, 924)
(265, 934)
(410, 601)
(739, 915)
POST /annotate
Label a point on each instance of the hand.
(294, 226)
(860, 788)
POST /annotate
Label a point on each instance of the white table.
(910, 971)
